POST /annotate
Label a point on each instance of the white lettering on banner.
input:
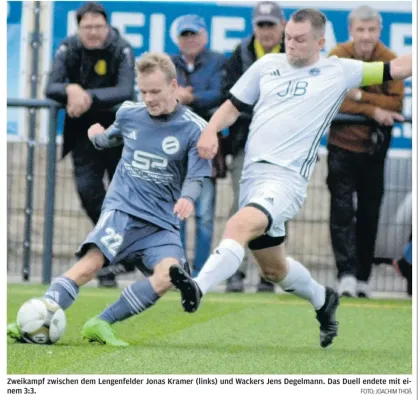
(172, 31)
(71, 23)
(121, 20)
(398, 34)
(407, 105)
(157, 32)
(404, 131)
(219, 27)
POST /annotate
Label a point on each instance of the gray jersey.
(159, 155)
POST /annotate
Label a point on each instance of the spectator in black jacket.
(268, 37)
(92, 72)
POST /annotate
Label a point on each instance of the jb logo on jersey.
(294, 89)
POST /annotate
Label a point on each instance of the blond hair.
(152, 62)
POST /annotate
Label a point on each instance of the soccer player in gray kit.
(156, 183)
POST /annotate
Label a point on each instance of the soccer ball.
(41, 321)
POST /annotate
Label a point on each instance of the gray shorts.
(122, 237)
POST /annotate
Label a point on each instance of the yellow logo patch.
(100, 67)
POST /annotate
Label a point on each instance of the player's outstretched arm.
(224, 117)
(358, 73)
(401, 67)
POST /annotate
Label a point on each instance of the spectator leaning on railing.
(199, 74)
(268, 37)
(356, 157)
(92, 71)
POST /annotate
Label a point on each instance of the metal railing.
(53, 108)
(50, 181)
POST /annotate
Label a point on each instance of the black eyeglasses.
(265, 24)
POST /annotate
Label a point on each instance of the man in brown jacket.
(356, 157)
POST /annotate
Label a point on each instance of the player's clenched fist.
(183, 208)
(208, 143)
(95, 129)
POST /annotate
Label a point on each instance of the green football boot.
(98, 330)
(13, 332)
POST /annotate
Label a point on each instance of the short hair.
(365, 13)
(151, 62)
(90, 7)
(317, 19)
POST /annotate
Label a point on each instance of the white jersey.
(294, 107)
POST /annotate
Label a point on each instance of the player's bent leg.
(248, 223)
(294, 278)
(272, 261)
(160, 280)
(135, 299)
(86, 268)
(64, 289)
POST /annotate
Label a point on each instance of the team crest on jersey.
(314, 71)
(170, 145)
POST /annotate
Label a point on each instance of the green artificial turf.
(229, 334)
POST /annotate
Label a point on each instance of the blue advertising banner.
(14, 31)
(150, 26)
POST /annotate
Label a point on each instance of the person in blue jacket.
(199, 74)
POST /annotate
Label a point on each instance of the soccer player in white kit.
(294, 96)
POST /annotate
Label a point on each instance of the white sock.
(221, 265)
(299, 282)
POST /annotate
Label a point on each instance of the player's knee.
(161, 273)
(160, 279)
(93, 260)
(271, 274)
(87, 267)
(274, 273)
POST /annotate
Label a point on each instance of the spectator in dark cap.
(92, 72)
(268, 37)
(199, 74)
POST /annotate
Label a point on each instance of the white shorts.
(279, 191)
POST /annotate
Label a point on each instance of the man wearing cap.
(199, 74)
(268, 37)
